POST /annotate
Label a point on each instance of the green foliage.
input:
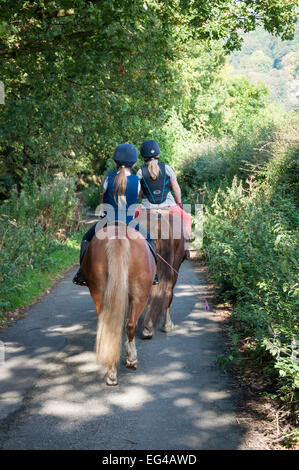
(251, 242)
(33, 225)
(92, 197)
(81, 77)
(275, 62)
(281, 174)
(245, 103)
(272, 48)
(253, 250)
(258, 60)
(212, 163)
(251, 228)
(31, 283)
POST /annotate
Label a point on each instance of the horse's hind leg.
(168, 325)
(148, 328)
(134, 314)
(97, 298)
(131, 360)
(111, 378)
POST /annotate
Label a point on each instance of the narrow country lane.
(53, 394)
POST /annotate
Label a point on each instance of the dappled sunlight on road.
(66, 330)
(83, 292)
(72, 410)
(131, 398)
(177, 398)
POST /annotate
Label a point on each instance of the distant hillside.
(275, 62)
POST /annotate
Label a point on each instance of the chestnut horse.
(170, 236)
(119, 270)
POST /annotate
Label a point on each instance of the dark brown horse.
(170, 235)
(119, 270)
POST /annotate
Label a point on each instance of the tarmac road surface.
(53, 394)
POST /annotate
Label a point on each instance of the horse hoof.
(131, 365)
(167, 328)
(146, 334)
(111, 380)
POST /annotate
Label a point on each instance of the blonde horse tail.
(110, 326)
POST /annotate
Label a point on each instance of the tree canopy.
(81, 76)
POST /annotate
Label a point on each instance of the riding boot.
(78, 278)
(83, 248)
(152, 246)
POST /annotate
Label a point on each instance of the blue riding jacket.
(124, 214)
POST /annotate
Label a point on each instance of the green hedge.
(34, 225)
(251, 237)
(252, 249)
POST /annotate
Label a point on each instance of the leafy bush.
(216, 161)
(251, 243)
(251, 235)
(281, 174)
(91, 197)
(32, 225)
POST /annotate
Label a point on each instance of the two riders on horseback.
(122, 188)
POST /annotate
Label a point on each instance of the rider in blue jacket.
(121, 189)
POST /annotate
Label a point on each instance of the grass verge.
(32, 283)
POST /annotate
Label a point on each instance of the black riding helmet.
(149, 148)
(125, 154)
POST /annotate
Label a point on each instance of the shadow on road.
(177, 398)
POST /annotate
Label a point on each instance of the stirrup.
(156, 280)
(78, 280)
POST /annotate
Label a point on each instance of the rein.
(207, 307)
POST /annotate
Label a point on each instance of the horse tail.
(110, 326)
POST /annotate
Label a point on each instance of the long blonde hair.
(120, 186)
(153, 168)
